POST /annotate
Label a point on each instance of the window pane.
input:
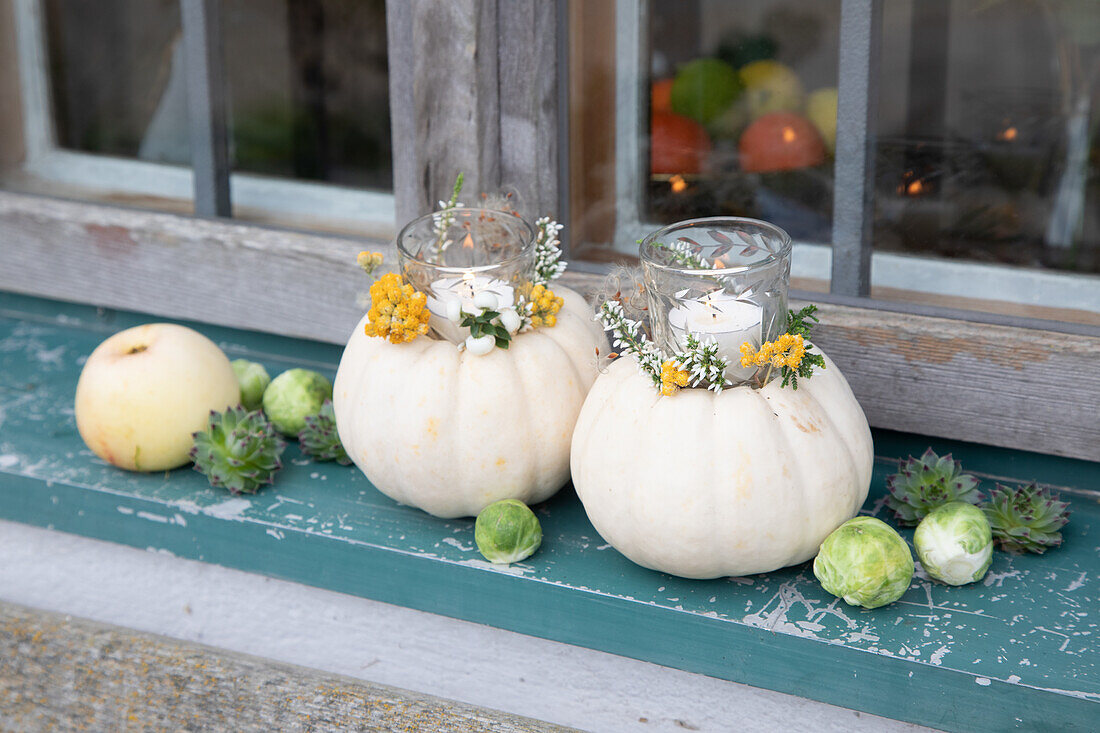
(103, 94)
(989, 125)
(309, 89)
(738, 115)
(110, 63)
(742, 113)
(985, 147)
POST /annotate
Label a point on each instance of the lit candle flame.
(1009, 133)
(468, 242)
(789, 135)
(915, 188)
(677, 183)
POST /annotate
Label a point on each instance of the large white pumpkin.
(451, 432)
(706, 485)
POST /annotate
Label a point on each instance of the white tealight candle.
(450, 297)
(730, 321)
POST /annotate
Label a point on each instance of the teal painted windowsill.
(1018, 650)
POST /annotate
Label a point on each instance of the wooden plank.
(998, 385)
(166, 265)
(59, 672)
(529, 141)
(1011, 652)
(11, 122)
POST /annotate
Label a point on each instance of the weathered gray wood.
(1013, 387)
(1000, 385)
(529, 136)
(207, 270)
(207, 106)
(481, 99)
(62, 673)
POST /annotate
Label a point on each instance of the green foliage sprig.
(800, 324)
(482, 324)
(804, 370)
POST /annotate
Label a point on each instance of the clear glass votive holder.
(724, 278)
(466, 259)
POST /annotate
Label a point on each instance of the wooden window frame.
(479, 87)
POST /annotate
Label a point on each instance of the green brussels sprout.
(253, 379)
(293, 396)
(954, 543)
(507, 531)
(865, 562)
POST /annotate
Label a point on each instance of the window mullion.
(207, 106)
(853, 199)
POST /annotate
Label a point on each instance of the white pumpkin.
(451, 432)
(706, 485)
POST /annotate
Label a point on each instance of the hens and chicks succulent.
(240, 449)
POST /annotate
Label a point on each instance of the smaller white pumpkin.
(705, 485)
(450, 431)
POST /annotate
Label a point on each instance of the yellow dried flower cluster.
(673, 378)
(369, 261)
(544, 306)
(397, 312)
(785, 351)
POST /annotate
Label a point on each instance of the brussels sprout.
(507, 531)
(865, 562)
(293, 396)
(954, 543)
(253, 379)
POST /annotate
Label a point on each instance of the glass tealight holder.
(464, 260)
(720, 278)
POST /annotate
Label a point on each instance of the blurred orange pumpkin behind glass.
(780, 141)
(677, 144)
(660, 96)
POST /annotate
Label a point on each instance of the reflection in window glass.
(307, 83)
(989, 132)
(109, 65)
(310, 89)
(738, 116)
(742, 115)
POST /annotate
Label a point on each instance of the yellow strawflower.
(369, 261)
(544, 306)
(673, 378)
(397, 312)
(787, 350)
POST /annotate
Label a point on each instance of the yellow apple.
(771, 87)
(145, 390)
(821, 109)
